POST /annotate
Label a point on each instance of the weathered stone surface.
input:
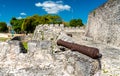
(65, 37)
(18, 45)
(45, 33)
(44, 44)
(43, 62)
(52, 31)
(104, 23)
(34, 45)
(104, 26)
(44, 58)
(110, 57)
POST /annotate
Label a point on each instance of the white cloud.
(59, 2)
(53, 7)
(23, 13)
(19, 17)
(38, 4)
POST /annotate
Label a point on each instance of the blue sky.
(67, 9)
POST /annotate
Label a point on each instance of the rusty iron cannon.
(89, 51)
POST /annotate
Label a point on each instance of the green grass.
(25, 45)
(3, 39)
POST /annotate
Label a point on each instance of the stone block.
(44, 44)
(65, 37)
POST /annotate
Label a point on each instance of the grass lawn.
(3, 39)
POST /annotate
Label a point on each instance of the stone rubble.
(40, 61)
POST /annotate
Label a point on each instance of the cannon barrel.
(89, 51)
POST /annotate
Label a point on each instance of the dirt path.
(5, 35)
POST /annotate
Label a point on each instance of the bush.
(25, 45)
(3, 27)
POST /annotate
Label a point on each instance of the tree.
(55, 19)
(36, 20)
(76, 22)
(31, 22)
(3, 27)
(16, 24)
(66, 24)
(28, 24)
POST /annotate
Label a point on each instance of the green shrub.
(25, 45)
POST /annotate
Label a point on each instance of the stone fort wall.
(61, 26)
(52, 30)
(104, 23)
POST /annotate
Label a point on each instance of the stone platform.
(110, 62)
